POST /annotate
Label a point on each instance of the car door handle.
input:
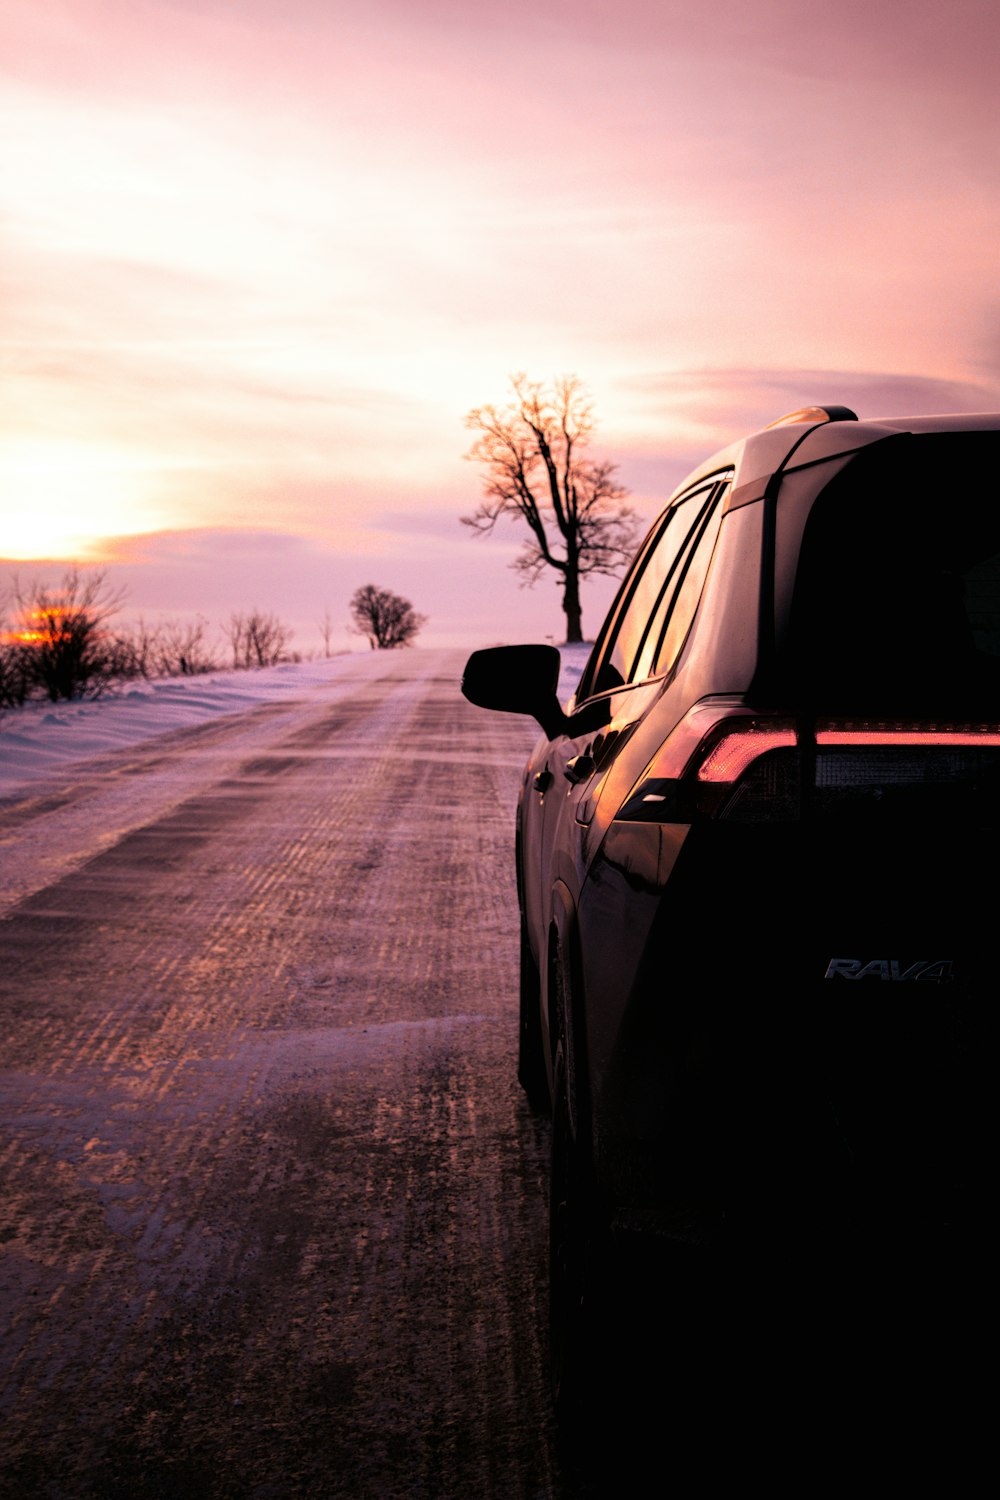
(580, 768)
(543, 780)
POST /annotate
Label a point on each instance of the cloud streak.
(269, 256)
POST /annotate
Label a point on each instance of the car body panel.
(782, 1006)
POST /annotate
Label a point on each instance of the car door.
(621, 681)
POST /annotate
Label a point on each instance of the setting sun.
(259, 263)
(62, 499)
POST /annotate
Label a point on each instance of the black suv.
(755, 858)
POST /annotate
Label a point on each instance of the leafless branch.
(535, 467)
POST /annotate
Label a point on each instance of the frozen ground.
(273, 1218)
(105, 767)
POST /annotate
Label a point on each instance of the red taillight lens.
(724, 760)
(708, 726)
(730, 756)
(920, 737)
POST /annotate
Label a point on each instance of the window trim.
(713, 487)
(674, 581)
(714, 508)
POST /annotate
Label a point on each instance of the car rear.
(799, 1028)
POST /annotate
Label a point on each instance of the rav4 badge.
(939, 970)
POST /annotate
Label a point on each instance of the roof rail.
(816, 414)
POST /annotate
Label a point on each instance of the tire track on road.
(273, 1203)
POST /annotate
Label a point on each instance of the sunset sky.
(260, 257)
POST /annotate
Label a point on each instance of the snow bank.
(574, 659)
(42, 738)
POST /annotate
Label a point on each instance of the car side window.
(672, 630)
(595, 678)
(626, 652)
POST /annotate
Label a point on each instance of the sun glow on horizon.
(260, 264)
(63, 499)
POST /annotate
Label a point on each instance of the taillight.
(724, 760)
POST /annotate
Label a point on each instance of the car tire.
(531, 1074)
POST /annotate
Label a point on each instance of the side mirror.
(517, 680)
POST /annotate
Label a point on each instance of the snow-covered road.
(274, 1219)
(100, 767)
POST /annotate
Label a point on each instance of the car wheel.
(530, 1052)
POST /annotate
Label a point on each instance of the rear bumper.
(781, 1032)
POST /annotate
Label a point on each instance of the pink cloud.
(274, 253)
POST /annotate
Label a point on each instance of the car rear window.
(897, 592)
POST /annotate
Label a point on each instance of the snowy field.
(43, 739)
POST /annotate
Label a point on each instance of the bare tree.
(384, 618)
(61, 636)
(326, 631)
(133, 650)
(182, 648)
(15, 683)
(137, 650)
(169, 648)
(15, 674)
(533, 452)
(236, 634)
(257, 639)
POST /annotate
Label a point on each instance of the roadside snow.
(44, 738)
(574, 659)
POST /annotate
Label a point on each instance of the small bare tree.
(61, 634)
(14, 681)
(533, 452)
(326, 631)
(133, 650)
(15, 674)
(257, 639)
(170, 648)
(383, 618)
(182, 648)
